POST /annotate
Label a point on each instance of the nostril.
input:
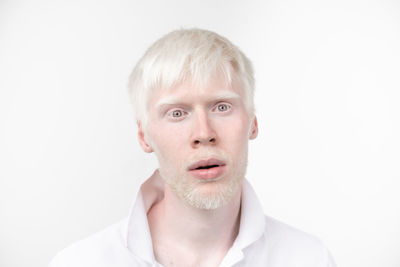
(204, 141)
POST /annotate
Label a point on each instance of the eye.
(223, 107)
(176, 114)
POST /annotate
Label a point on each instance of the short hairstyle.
(193, 55)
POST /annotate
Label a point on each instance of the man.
(193, 96)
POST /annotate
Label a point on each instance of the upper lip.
(205, 163)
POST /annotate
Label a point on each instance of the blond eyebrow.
(173, 100)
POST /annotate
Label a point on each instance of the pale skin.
(186, 125)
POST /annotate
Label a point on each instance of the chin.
(211, 195)
(205, 194)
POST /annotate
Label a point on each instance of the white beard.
(207, 194)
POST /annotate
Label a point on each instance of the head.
(192, 93)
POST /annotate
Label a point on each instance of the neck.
(177, 225)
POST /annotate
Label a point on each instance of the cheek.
(168, 140)
(234, 140)
(237, 129)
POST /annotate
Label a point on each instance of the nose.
(204, 133)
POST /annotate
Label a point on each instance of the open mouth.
(207, 169)
(206, 164)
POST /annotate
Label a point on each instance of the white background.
(326, 159)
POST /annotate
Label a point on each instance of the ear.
(254, 129)
(142, 140)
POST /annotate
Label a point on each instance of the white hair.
(193, 55)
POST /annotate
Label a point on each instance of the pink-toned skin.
(180, 142)
(180, 232)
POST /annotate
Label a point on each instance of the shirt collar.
(252, 221)
(138, 237)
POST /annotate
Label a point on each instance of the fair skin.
(200, 137)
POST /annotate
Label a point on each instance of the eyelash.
(228, 106)
(215, 108)
(171, 114)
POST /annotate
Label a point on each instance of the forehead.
(188, 91)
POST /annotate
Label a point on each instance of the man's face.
(200, 137)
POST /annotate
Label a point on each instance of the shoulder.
(99, 249)
(290, 244)
(279, 232)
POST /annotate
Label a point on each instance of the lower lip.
(208, 174)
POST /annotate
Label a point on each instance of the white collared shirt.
(262, 241)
